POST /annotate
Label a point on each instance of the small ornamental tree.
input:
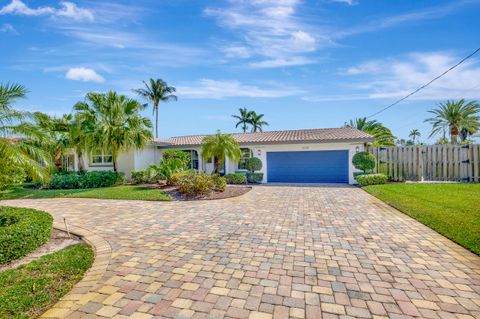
(253, 164)
(364, 161)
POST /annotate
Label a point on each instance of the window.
(101, 158)
(246, 154)
(194, 158)
(68, 162)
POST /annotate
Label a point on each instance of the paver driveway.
(277, 251)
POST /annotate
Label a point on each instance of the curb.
(71, 301)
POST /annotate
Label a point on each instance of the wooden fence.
(429, 163)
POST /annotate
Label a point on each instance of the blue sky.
(304, 64)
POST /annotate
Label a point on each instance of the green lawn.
(115, 192)
(453, 210)
(28, 291)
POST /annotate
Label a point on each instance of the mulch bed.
(172, 191)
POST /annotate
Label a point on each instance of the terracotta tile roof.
(290, 136)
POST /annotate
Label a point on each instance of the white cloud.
(67, 10)
(236, 52)
(84, 74)
(213, 89)
(395, 78)
(8, 28)
(349, 2)
(269, 30)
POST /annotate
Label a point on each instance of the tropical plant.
(382, 135)
(157, 91)
(414, 134)
(118, 123)
(455, 116)
(19, 143)
(220, 146)
(244, 119)
(257, 122)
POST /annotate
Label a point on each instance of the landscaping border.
(73, 299)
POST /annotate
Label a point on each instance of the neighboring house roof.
(322, 135)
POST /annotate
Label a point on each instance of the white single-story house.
(290, 156)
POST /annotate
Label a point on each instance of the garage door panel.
(308, 167)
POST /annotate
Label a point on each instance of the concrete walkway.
(276, 252)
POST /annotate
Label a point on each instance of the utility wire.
(425, 85)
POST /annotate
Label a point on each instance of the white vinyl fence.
(429, 163)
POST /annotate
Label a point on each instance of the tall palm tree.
(414, 134)
(243, 119)
(21, 152)
(157, 91)
(257, 122)
(220, 146)
(455, 116)
(118, 125)
(382, 135)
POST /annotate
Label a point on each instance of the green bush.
(254, 178)
(356, 174)
(138, 177)
(93, 179)
(236, 178)
(219, 182)
(22, 231)
(176, 177)
(196, 184)
(152, 174)
(371, 179)
(364, 161)
(253, 164)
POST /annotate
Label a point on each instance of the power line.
(425, 85)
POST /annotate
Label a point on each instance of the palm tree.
(414, 134)
(257, 122)
(21, 152)
(243, 119)
(118, 126)
(157, 91)
(455, 116)
(220, 146)
(382, 135)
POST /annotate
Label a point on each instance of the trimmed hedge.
(236, 178)
(77, 180)
(22, 231)
(372, 179)
(254, 178)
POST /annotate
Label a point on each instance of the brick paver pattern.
(276, 252)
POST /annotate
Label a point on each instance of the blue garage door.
(307, 167)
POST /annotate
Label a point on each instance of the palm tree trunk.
(81, 166)
(156, 120)
(114, 160)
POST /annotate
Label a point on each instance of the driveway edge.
(76, 297)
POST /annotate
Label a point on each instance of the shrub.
(371, 179)
(196, 184)
(22, 231)
(137, 177)
(356, 174)
(236, 178)
(176, 177)
(254, 178)
(94, 179)
(183, 158)
(219, 182)
(253, 164)
(364, 161)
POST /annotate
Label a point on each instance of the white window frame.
(106, 158)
